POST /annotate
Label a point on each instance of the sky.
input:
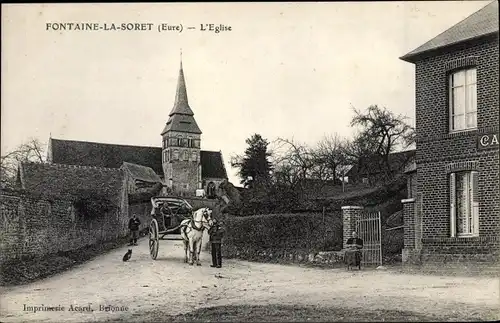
(289, 70)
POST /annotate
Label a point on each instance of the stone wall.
(35, 225)
(143, 213)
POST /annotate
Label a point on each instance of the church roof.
(96, 154)
(182, 123)
(481, 23)
(181, 117)
(181, 104)
(212, 165)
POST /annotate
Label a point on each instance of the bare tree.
(382, 132)
(30, 151)
(330, 157)
(294, 164)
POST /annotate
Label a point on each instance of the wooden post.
(324, 228)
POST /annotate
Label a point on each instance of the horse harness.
(193, 222)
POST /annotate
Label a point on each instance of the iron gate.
(369, 229)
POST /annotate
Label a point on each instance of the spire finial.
(181, 57)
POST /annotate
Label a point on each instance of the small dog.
(127, 256)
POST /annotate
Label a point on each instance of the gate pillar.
(350, 216)
(412, 233)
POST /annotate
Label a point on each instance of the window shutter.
(475, 202)
(453, 202)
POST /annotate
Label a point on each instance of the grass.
(29, 269)
(288, 313)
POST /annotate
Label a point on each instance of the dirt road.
(169, 285)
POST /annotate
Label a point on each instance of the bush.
(279, 232)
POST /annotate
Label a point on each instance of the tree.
(330, 157)
(30, 151)
(254, 166)
(294, 163)
(381, 133)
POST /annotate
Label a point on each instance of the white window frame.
(471, 221)
(467, 110)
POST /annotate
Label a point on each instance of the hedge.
(309, 232)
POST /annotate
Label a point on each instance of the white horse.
(192, 233)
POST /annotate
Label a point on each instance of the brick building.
(453, 215)
(180, 163)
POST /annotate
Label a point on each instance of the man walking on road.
(133, 225)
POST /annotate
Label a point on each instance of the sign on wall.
(487, 141)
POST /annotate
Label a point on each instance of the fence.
(369, 229)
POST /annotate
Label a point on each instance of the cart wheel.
(153, 239)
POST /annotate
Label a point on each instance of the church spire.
(181, 105)
(181, 118)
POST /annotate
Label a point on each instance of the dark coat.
(355, 242)
(133, 224)
(216, 233)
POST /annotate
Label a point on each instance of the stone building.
(181, 165)
(454, 215)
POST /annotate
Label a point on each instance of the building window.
(364, 180)
(196, 143)
(185, 155)
(463, 100)
(194, 156)
(183, 142)
(176, 155)
(410, 186)
(464, 204)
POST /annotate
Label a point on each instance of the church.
(179, 164)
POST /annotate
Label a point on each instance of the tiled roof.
(481, 23)
(67, 180)
(182, 123)
(85, 153)
(103, 155)
(142, 173)
(212, 165)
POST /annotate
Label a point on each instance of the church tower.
(181, 145)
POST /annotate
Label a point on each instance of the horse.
(192, 233)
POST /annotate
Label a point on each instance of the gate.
(369, 229)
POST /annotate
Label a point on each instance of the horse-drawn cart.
(167, 214)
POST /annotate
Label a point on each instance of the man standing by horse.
(216, 233)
